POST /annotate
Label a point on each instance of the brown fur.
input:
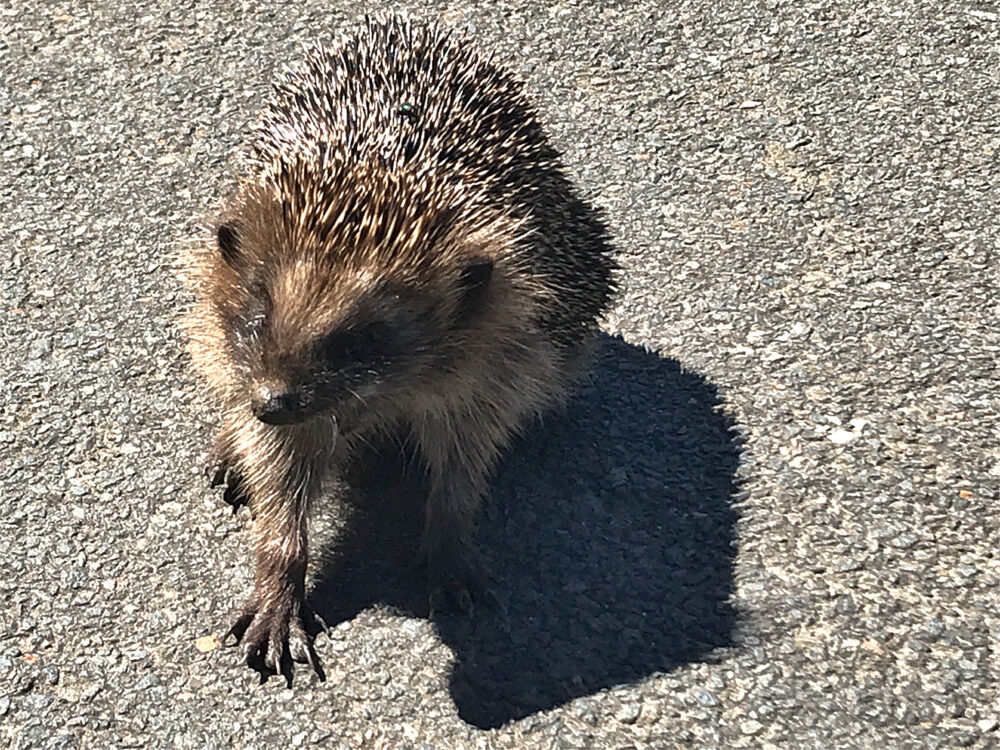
(432, 271)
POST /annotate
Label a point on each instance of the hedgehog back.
(417, 101)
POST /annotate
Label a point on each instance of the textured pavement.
(768, 520)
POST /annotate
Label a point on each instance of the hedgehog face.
(307, 339)
(334, 364)
(385, 336)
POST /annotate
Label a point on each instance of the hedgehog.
(403, 254)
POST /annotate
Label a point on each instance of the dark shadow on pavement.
(608, 542)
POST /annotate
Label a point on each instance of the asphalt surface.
(769, 519)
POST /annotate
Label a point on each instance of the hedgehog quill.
(403, 252)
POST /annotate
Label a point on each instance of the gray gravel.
(769, 519)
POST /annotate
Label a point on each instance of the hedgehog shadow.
(608, 542)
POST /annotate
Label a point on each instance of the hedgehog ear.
(471, 286)
(228, 243)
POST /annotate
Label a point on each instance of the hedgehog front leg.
(459, 463)
(271, 626)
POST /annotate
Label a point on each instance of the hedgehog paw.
(221, 472)
(456, 585)
(272, 639)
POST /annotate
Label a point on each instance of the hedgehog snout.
(277, 405)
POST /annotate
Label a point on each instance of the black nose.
(275, 406)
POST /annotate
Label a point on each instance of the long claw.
(298, 649)
(314, 663)
(317, 619)
(301, 650)
(463, 600)
(275, 651)
(234, 494)
(436, 602)
(251, 653)
(219, 476)
(239, 628)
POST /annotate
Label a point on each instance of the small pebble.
(842, 436)
(987, 725)
(706, 697)
(208, 643)
(629, 713)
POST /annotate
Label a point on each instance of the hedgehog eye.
(343, 347)
(228, 243)
(471, 287)
(366, 344)
(336, 348)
